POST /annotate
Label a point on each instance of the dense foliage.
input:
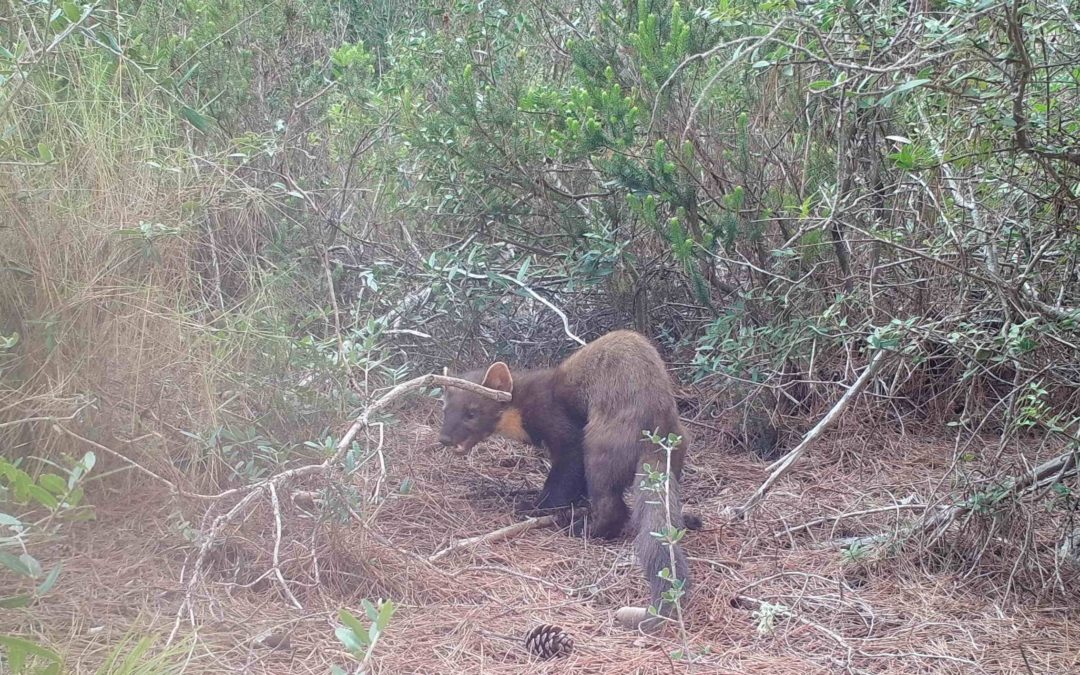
(227, 223)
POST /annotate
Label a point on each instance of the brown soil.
(983, 602)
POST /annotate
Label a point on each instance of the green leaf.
(14, 564)
(89, 460)
(907, 86)
(821, 85)
(53, 483)
(72, 12)
(74, 497)
(10, 521)
(349, 639)
(196, 119)
(25, 646)
(45, 152)
(187, 76)
(15, 601)
(31, 564)
(386, 610)
(50, 580)
(42, 496)
(353, 624)
(369, 609)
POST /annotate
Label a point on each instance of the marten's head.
(469, 418)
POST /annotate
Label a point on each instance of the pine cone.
(547, 641)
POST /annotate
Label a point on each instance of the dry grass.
(469, 611)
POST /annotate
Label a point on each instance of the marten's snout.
(446, 440)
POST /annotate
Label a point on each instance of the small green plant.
(855, 554)
(135, 655)
(659, 483)
(41, 504)
(767, 614)
(249, 455)
(32, 508)
(1032, 408)
(361, 640)
(8, 342)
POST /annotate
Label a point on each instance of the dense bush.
(228, 223)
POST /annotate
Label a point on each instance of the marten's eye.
(470, 414)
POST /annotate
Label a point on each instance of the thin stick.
(277, 547)
(139, 467)
(841, 516)
(497, 535)
(44, 418)
(782, 466)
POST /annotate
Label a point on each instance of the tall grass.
(117, 270)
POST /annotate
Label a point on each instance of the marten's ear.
(498, 378)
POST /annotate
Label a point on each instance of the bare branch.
(498, 535)
(277, 547)
(781, 466)
(562, 315)
(892, 508)
(250, 492)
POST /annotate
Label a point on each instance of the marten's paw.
(692, 521)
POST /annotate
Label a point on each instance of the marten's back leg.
(611, 455)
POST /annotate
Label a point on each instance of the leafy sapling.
(361, 640)
(659, 482)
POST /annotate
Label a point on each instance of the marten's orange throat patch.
(510, 426)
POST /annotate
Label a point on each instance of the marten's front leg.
(565, 484)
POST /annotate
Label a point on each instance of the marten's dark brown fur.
(589, 412)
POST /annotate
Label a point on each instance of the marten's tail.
(653, 511)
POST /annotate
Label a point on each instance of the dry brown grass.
(469, 611)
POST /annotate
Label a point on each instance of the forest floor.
(973, 607)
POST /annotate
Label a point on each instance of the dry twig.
(497, 535)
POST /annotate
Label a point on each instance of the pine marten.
(589, 412)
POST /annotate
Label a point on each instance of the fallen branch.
(781, 466)
(934, 524)
(270, 486)
(498, 535)
(852, 514)
(130, 462)
(1044, 475)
